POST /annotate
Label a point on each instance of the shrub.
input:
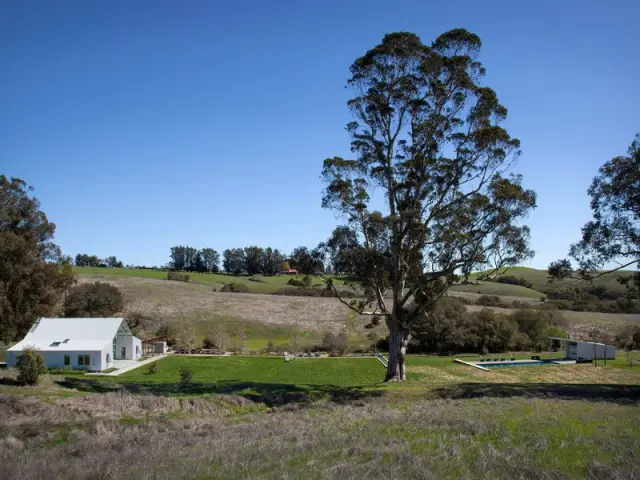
(235, 288)
(489, 301)
(257, 279)
(186, 375)
(294, 282)
(270, 348)
(153, 368)
(336, 344)
(178, 277)
(315, 292)
(307, 281)
(208, 342)
(30, 366)
(93, 300)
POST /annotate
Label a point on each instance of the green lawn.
(344, 372)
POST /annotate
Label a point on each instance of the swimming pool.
(513, 363)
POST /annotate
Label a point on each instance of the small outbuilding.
(584, 351)
(91, 344)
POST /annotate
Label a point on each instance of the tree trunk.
(398, 341)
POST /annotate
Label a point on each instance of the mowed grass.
(345, 372)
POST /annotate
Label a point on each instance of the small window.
(66, 340)
(84, 360)
(54, 344)
(67, 360)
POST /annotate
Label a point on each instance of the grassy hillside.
(264, 285)
(500, 289)
(540, 280)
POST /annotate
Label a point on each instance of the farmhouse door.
(124, 352)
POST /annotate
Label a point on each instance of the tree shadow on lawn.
(271, 394)
(615, 393)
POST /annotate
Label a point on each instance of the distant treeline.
(250, 260)
(84, 260)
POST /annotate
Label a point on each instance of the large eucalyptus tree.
(431, 154)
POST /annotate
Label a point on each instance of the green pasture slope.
(540, 280)
(275, 283)
(265, 284)
(500, 289)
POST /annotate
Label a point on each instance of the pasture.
(272, 284)
(325, 418)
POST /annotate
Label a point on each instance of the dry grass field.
(275, 316)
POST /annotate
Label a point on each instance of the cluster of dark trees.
(84, 260)
(33, 273)
(250, 260)
(189, 259)
(93, 300)
(450, 328)
(254, 260)
(511, 280)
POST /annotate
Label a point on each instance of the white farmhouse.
(91, 344)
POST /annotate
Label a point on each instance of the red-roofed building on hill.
(291, 271)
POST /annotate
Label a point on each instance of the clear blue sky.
(146, 124)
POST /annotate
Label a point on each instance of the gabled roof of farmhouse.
(72, 334)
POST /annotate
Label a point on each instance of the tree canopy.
(33, 273)
(428, 190)
(93, 300)
(613, 236)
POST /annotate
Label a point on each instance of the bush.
(336, 344)
(208, 342)
(153, 368)
(30, 366)
(178, 277)
(315, 292)
(294, 282)
(270, 348)
(186, 375)
(235, 288)
(491, 301)
(307, 281)
(257, 279)
(93, 300)
(511, 280)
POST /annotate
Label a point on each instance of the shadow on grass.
(593, 392)
(271, 394)
(11, 382)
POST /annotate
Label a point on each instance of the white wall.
(590, 351)
(137, 348)
(129, 342)
(56, 359)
